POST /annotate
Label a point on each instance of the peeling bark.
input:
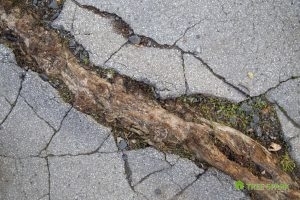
(139, 114)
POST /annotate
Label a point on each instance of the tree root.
(139, 114)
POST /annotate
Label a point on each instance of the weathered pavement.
(234, 50)
(48, 150)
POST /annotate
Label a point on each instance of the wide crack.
(145, 41)
(149, 42)
(138, 100)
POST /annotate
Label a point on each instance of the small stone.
(44, 77)
(134, 39)
(55, 84)
(34, 2)
(53, 4)
(82, 56)
(78, 50)
(258, 131)
(54, 16)
(273, 137)
(130, 32)
(72, 43)
(255, 119)
(122, 144)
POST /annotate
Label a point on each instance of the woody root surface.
(134, 111)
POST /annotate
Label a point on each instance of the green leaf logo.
(239, 185)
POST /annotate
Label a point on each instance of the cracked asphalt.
(233, 50)
(49, 150)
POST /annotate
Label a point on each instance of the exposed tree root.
(139, 114)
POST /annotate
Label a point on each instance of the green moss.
(265, 127)
(260, 103)
(224, 112)
(287, 164)
(86, 61)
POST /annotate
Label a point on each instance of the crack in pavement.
(49, 177)
(7, 101)
(174, 46)
(41, 118)
(157, 45)
(115, 53)
(187, 89)
(78, 154)
(96, 151)
(278, 84)
(152, 173)
(223, 79)
(22, 77)
(56, 131)
(59, 156)
(186, 30)
(128, 173)
(189, 185)
(286, 115)
(175, 162)
(49, 173)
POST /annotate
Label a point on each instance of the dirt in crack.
(130, 108)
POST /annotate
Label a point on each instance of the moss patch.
(287, 164)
